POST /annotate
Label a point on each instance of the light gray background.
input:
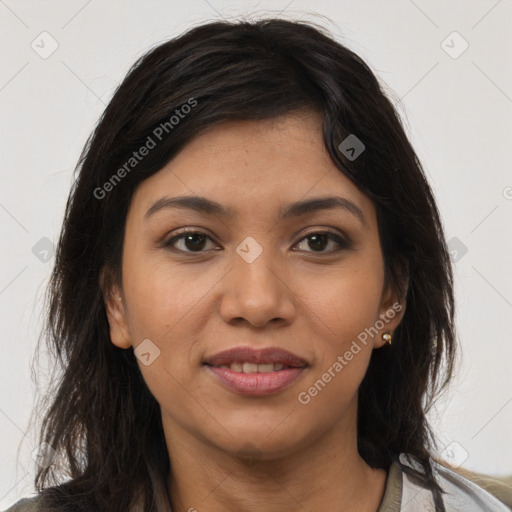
(457, 112)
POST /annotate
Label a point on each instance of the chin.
(260, 446)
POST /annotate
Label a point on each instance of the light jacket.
(403, 495)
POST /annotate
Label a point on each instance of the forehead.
(249, 164)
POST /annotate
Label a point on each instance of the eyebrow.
(204, 205)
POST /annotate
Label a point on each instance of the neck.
(327, 474)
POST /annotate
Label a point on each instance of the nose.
(257, 293)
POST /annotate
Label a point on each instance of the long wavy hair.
(101, 425)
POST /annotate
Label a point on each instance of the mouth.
(246, 367)
(247, 371)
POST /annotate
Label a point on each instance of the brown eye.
(190, 241)
(317, 242)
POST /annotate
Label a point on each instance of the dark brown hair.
(99, 415)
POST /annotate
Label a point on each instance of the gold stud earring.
(387, 337)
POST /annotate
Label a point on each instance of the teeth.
(237, 367)
(250, 368)
(254, 368)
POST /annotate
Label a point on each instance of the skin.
(231, 452)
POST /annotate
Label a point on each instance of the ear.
(116, 311)
(392, 307)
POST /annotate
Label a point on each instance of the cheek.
(342, 305)
(347, 302)
(170, 306)
(167, 306)
(164, 300)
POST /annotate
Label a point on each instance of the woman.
(252, 296)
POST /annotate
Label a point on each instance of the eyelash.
(342, 243)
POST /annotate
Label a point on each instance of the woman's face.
(256, 328)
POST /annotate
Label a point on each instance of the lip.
(256, 384)
(256, 356)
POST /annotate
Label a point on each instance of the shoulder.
(466, 492)
(25, 505)
(460, 493)
(500, 487)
